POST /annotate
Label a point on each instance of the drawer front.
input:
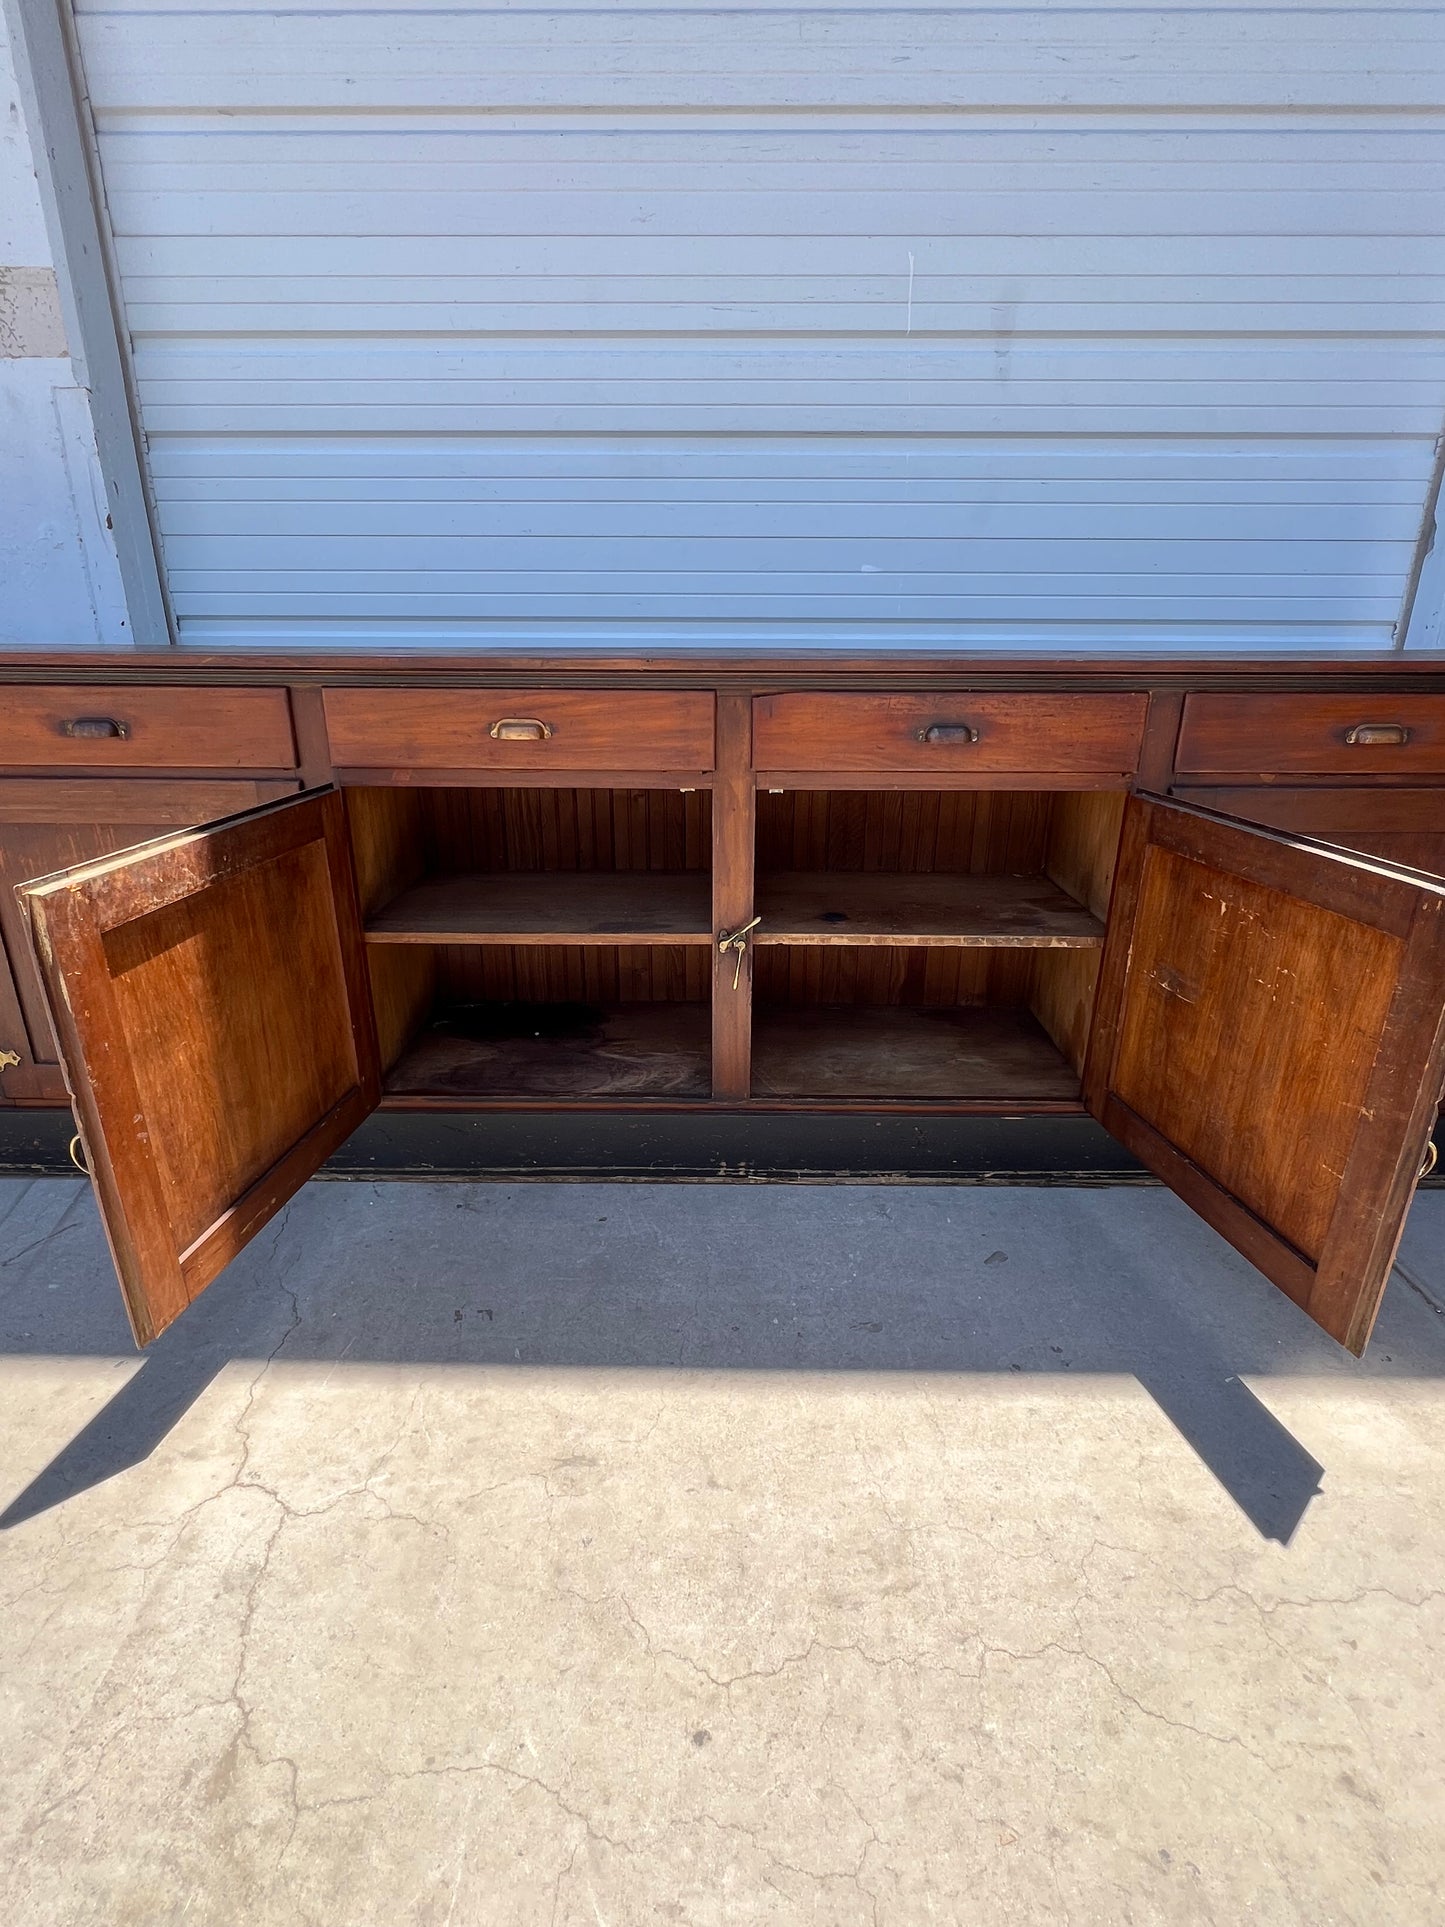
(520, 729)
(76, 726)
(952, 735)
(1380, 735)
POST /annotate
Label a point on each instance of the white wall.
(1054, 325)
(478, 534)
(59, 584)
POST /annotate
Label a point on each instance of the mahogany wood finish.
(506, 828)
(1403, 826)
(956, 734)
(1328, 735)
(52, 823)
(55, 726)
(827, 907)
(551, 973)
(1082, 846)
(954, 833)
(733, 847)
(210, 995)
(585, 729)
(963, 832)
(925, 976)
(1161, 734)
(1270, 1039)
(564, 907)
(561, 1050)
(852, 1051)
(388, 853)
(313, 751)
(548, 852)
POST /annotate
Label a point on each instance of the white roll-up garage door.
(1037, 327)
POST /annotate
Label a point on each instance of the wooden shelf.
(561, 1051)
(861, 1050)
(886, 907)
(556, 906)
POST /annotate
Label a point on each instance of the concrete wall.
(59, 584)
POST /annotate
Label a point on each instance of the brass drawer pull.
(1372, 735)
(520, 729)
(948, 733)
(1432, 1158)
(92, 728)
(8, 1057)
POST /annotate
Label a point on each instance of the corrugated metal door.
(1032, 326)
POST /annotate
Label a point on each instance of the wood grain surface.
(211, 1002)
(164, 728)
(423, 729)
(53, 823)
(566, 907)
(878, 907)
(1063, 734)
(1259, 733)
(1404, 826)
(852, 1051)
(1270, 1038)
(560, 1050)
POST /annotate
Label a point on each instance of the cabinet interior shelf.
(889, 908)
(852, 1051)
(554, 906)
(563, 1051)
(796, 907)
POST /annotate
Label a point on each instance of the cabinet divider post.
(733, 839)
(308, 719)
(1161, 734)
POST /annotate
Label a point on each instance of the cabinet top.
(840, 669)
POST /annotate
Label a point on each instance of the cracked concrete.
(564, 1554)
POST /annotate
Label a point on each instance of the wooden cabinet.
(86, 726)
(54, 824)
(210, 996)
(1402, 825)
(537, 730)
(539, 896)
(1314, 733)
(955, 733)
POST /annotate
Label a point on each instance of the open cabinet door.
(210, 999)
(1269, 1038)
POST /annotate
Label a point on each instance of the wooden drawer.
(520, 729)
(1380, 735)
(955, 735)
(94, 726)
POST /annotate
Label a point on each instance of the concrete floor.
(553, 1554)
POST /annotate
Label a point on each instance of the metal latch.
(737, 940)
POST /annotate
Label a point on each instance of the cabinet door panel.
(1403, 826)
(1269, 1039)
(49, 824)
(209, 996)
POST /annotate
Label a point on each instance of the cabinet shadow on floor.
(1052, 1282)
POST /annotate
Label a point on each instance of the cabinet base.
(679, 1147)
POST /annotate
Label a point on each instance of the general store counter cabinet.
(933, 899)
